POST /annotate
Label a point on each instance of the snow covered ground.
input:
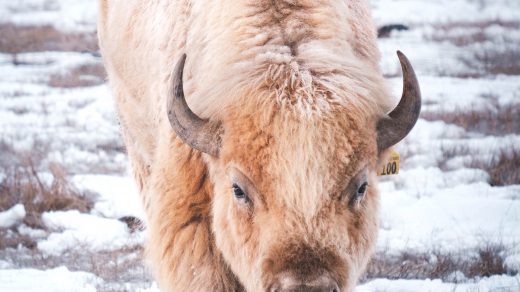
(454, 205)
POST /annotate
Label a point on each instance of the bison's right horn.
(200, 134)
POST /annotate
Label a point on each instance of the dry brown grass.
(23, 183)
(42, 187)
(498, 122)
(485, 262)
(494, 62)
(19, 39)
(12, 239)
(80, 76)
(27, 187)
(450, 152)
(503, 169)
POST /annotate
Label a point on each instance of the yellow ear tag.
(391, 166)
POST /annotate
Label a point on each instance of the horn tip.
(182, 60)
(401, 56)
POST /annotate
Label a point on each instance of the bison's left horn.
(200, 134)
(394, 127)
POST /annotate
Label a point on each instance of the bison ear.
(200, 134)
(397, 124)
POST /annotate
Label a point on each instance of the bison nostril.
(289, 285)
(335, 288)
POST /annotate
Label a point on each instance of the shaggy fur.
(297, 88)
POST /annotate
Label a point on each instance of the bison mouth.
(299, 267)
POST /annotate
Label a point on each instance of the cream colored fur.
(298, 89)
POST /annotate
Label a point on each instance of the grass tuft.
(498, 122)
(505, 61)
(21, 182)
(20, 39)
(503, 169)
(118, 268)
(486, 261)
(80, 76)
(462, 34)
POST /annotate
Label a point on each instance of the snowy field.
(450, 220)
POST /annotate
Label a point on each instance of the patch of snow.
(67, 15)
(456, 277)
(4, 265)
(413, 11)
(494, 283)
(33, 233)
(512, 263)
(466, 216)
(55, 280)
(74, 229)
(12, 216)
(118, 195)
(153, 288)
(450, 93)
(78, 126)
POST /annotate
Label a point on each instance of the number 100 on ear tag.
(390, 166)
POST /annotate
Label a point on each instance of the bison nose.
(289, 284)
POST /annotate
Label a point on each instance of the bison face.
(294, 201)
(295, 204)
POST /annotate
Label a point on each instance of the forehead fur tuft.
(303, 89)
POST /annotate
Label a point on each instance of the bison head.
(294, 206)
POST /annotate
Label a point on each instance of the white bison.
(254, 128)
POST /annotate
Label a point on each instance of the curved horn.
(394, 127)
(200, 134)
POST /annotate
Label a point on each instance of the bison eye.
(358, 194)
(356, 188)
(362, 189)
(239, 193)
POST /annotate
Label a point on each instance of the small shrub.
(503, 170)
(11, 239)
(489, 263)
(22, 183)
